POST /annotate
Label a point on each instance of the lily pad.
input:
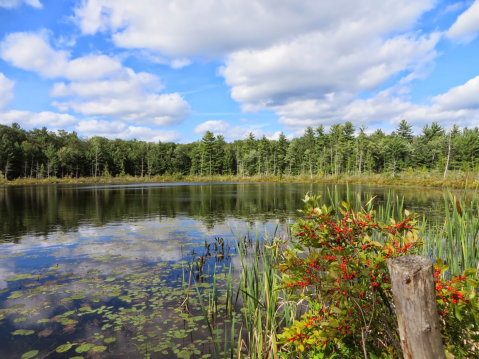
(109, 340)
(78, 296)
(64, 348)
(30, 354)
(99, 349)
(20, 277)
(45, 333)
(84, 348)
(15, 295)
(23, 332)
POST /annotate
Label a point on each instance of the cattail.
(458, 206)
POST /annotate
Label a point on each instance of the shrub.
(338, 264)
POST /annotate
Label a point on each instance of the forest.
(343, 150)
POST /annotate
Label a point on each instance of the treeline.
(40, 153)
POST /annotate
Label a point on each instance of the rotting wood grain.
(416, 307)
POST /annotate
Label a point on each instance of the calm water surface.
(96, 271)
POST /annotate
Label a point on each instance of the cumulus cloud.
(466, 26)
(28, 119)
(151, 109)
(32, 51)
(231, 25)
(100, 85)
(118, 129)
(130, 84)
(460, 97)
(459, 105)
(15, 3)
(232, 132)
(6, 91)
(315, 65)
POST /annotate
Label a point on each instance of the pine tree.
(404, 131)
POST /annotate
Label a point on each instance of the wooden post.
(416, 307)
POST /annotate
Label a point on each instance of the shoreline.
(401, 180)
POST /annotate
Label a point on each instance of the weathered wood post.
(416, 308)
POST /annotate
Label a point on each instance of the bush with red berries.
(338, 265)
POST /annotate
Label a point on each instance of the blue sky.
(170, 70)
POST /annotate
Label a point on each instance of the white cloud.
(28, 119)
(213, 126)
(466, 26)
(100, 85)
(151, 109)
(460, 97)
(129, 85)
(118, 129)
(6, 91)
(459, 105)
(32, 51)
(15, 3)
(311, 66)
(216, 27)
(232, 132)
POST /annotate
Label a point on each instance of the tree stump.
(414, 294)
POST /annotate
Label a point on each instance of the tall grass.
(457, 179)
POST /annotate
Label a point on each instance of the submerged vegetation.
(227, 297)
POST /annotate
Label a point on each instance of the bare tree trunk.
(360, 160)
(331, 160)
(96, 160)
(274, 161)
(7, 168)
(448, 156)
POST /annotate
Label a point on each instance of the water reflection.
(82, 264)
(43, 210)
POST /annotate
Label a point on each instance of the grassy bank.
(409, 178)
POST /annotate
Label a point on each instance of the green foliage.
(341, 151)
(338, 263)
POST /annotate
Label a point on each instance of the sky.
(170, 70)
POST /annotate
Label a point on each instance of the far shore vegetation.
(436, 157)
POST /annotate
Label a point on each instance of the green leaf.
(99, 349)
(457, 312)
(109, 340)
(470, 271)
(346, 205)
(473, 282)
(23, 332)
(84, 348)
(30, 354)
(64, 348)
(336, 310)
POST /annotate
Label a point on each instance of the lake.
(99, 271)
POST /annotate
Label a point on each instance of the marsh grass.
(455, 179)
